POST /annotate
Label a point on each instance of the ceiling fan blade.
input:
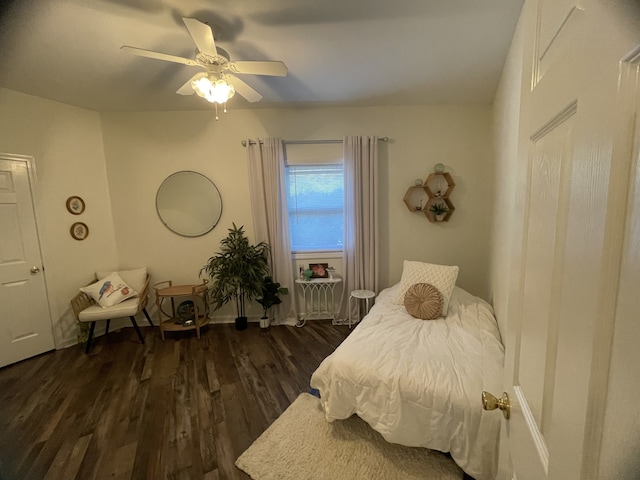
(187, 89)
(202, 36)
(141, 52)
(276, 69)
(243, 89)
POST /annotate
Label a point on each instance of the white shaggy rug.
(301, 444)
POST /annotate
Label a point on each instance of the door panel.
(25, 322)
(550, 166)
(555, 32)
(553, 16)
(527, 445)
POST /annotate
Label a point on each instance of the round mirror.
(189, 204)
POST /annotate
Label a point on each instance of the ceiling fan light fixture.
(221, 91)
(214, 91)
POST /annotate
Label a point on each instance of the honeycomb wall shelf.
(439, 185)
(416, 198)
(432, 217)
(436, 189)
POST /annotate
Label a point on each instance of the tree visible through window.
(315, 200)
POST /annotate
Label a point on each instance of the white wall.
(142, 149)
(66, 143)
(118, 179)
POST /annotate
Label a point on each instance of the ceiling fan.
(217, 83)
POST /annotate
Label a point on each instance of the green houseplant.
(271, 292)
(237, 272)
(439, 210)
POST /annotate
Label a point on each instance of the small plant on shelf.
(439, 210)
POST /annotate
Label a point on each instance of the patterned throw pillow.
(442, 277)
(135, 278)
(424, 301)
(109, 291)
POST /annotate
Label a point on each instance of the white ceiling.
(339, 52)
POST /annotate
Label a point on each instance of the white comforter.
(419, 383)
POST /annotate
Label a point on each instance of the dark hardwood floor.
(179, 409)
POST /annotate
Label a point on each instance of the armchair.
(87, 310)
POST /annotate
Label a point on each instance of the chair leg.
(106, 332)
(144, 310)
(135, 325)
(86, 350)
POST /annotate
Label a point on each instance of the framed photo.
(75, 205)
(79, 231)
(319, 270)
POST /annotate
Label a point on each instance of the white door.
(574, 160)
(25, 322)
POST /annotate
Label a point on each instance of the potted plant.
(237, 272)
(271, 292)
(439, 210)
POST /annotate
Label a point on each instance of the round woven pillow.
(424, 301)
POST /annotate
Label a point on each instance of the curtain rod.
(305, 142)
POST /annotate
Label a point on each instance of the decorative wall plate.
(75, 205)
(79, 231)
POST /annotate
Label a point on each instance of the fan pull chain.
(224, 110)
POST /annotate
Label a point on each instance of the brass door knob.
(35, 269)
(490, 402)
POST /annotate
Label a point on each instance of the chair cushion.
(123, 309)
(110, 290)
(135, 278)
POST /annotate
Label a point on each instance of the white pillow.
(442, 277)
(110, 290)
(136, 277)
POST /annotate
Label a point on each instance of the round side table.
(360, 295)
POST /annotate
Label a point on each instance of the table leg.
(159, 307)
(350, 309)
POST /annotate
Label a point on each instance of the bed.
(419, 382)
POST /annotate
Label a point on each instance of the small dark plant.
(271, 292)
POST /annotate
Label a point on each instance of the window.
(315, 200)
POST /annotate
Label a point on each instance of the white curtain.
(270, 219)
(360, 256)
